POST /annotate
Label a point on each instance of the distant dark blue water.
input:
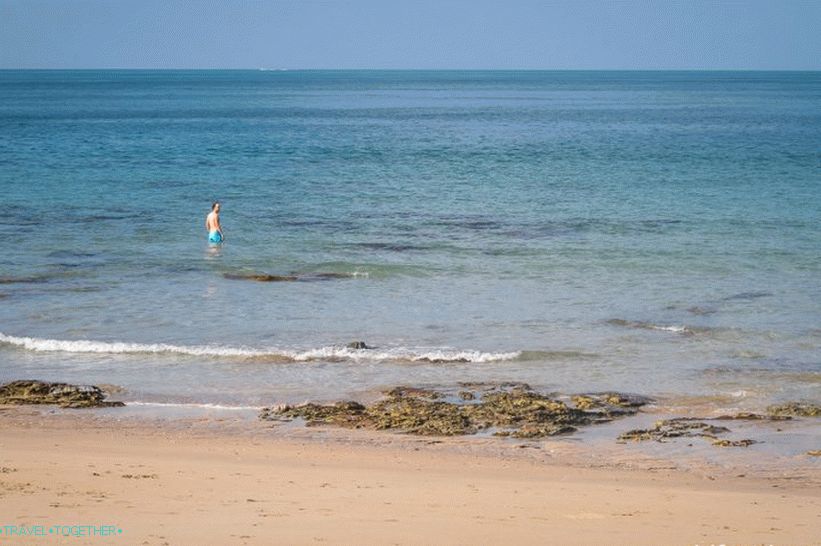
(656, 232)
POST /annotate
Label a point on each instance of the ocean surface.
(649, 232)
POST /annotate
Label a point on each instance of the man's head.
(215, 206)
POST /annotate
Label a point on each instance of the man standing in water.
(212, 224)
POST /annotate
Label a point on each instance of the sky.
(412, 34)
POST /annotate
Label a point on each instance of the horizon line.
(268, 69)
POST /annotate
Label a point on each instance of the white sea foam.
(333, 353)
(677, 329)
(740, 394)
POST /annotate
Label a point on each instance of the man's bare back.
(212, 224)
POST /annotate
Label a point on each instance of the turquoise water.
(655, 232)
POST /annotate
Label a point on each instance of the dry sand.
(168, 485)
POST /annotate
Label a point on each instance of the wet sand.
(164, 483)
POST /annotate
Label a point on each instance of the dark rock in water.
(747, 296)
(698, 310)
(324, 276)
(393, 247)
(28, 280)
(307, 277)
(795, 409)
(684, 428)
(513, 410)
(70, 254)
(60, 394)
(259, 277)
(643, 325)
(620, 322)
(358, 345)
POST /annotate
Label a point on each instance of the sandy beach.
(163, 483)
(365, 273)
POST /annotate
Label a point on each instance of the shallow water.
(647, 232)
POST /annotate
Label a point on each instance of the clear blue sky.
(661, 34)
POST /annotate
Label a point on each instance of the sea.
(644, 232)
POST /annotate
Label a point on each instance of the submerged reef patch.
(303, 277)
(24, 280)
(59, 394)
(509, 409)
(259, 277)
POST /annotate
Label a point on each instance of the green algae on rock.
(59, 394)
(510, 409)
(795, 409)
(683, 427)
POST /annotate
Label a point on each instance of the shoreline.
(206, 480)
(503, 420)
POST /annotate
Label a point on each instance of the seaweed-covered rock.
(340, 414)
(534, 430)
(814, 453)
(412, 392)
(684, 427)
(674, 428)
(795, 409)
(585, 402)
(610, 400)
(511, 409)
(60, 394)
(358, 345)
(518, 408)
(421, 416)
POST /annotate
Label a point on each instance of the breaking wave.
(330, 353)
